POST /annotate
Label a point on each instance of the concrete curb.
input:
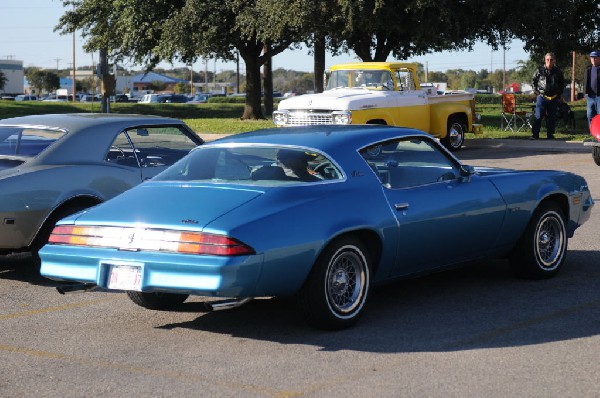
(536, 145)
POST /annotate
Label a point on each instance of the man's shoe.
(550, 137)
(533, 138)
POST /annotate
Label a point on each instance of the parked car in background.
(173, 98)
(283, 212)
(90, 98)
(55, 165)
(149, 98)
(198, 99)
(26, 97)
(119, 98)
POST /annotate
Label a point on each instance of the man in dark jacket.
(548, 84)
(591, 78)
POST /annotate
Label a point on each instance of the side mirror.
(466, 171)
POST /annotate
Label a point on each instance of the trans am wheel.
(596, 154)
(157, 301)
(542, 248)
(334, 295)
(455, 136)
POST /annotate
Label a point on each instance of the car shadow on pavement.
(20, 267)
(481, 305)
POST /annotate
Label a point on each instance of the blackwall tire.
(596, 154)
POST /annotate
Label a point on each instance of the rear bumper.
(160, 272)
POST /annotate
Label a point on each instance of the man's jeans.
(545, 108)
(593, 107)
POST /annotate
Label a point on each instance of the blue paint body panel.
(410, 231)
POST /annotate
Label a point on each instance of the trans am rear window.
(26, 141)
(262, 165)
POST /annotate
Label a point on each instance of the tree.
(150, 31)
(375, 29)
(42, 80)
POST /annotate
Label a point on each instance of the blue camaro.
(319, 213)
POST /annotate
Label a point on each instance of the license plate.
(125, 277)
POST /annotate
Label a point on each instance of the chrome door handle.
(401, 206)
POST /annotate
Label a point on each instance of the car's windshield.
(367, 78)
(26, 141)
(264, 165)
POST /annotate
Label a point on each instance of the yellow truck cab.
(382, 93)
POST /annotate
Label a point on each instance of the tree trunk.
(319, 63)
(268, 84)
(253, 109)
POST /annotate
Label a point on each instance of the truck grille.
(309, 118)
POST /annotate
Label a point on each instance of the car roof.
(78, 121)
(330, 139)
(88, 134)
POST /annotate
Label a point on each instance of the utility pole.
(573, 79)
(74, 85)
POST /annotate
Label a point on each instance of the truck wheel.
(596, 154)
(455, 137)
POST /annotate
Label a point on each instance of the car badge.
(131, 238)
(189, 221)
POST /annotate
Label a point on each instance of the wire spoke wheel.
(345, 282)
(541, 250)
(549, 241)
(334, 294)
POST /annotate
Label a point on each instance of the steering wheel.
(321, 169)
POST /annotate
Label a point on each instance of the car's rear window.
(26, 141)
(262, 165)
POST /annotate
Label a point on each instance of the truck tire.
(455, 137)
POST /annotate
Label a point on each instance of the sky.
(27, 34)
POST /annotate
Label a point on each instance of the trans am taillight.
(142, 239)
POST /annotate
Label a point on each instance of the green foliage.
(42, 80)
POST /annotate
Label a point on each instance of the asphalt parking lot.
(473, 332)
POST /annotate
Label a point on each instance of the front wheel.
(335, 292)
(540, 252)
(596, 154)
(157, 301)
(455, 137)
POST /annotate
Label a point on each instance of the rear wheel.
(596, 154)
(44, 233)
(335, 292)
(157, 301)
(541, 250)
(455, 136)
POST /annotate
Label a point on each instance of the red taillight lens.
(137, 239)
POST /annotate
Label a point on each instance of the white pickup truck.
(383, 93)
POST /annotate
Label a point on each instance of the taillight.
(142, 239)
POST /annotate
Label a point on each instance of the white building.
(13, 71)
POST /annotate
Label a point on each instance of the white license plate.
(125, 277)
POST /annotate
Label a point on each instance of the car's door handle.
(401, 206)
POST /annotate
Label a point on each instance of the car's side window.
(157, 146)
(410, 162)
(121, 152)
(17, 141)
